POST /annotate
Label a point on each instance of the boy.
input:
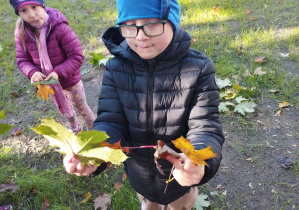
(156, 88)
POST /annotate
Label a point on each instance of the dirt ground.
(258, 170)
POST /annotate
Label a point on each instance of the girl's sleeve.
(24, 59)
(72, 48)
(110, 114)
(204, 125)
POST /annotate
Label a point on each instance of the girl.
(46, 47)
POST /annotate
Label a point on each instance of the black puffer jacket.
(143, 101)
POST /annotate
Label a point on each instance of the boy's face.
(149, 47)
(32, 14)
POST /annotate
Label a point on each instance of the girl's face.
(149, 47)
(32, 14)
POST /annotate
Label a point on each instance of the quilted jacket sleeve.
(110, 114)
(72, 48)
(204, 125)
(24, 59)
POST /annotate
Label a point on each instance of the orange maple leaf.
(44, 91)
(116, 145)
(197, 157)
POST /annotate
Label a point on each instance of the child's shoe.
(76, 130)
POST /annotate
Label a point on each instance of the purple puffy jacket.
(64, 49)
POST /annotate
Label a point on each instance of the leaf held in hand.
(52, 81)
(44, 91)
(86, 145)
(116, 145)
(161, 152)
(197, 157)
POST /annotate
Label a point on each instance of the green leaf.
(2, 116)
(245, 107)
(239, 99)
(86, 145)
(52, 81)
(201, 202)
(95, 58)
(223, 83)
(222, 107)
(4, 128)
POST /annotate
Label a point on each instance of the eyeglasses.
(150, 29)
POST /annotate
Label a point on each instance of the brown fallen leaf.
(117, 186)
(9, 186)
(260, 59)
(16, 131)
(258, 71)
(247, 11)
(124, 176)
(215, 8)
(102, 201)
(46, 204)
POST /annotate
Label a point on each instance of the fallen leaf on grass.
(201, 202)
(44, 91)
(245, 107)
(87, 196)
(9, 186)
(46, 204)
(260, 60)
(124, 176)
(281, 106)
(259, 71)
(117, 186)
(250, 185)
(250, 19)
(17, 131)
(102, 201)
(284, 55)
(247, 11)
(215, 8)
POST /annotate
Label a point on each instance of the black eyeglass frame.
(142, 27)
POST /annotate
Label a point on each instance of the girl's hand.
(186, 173)
(74, 166)
(37, 77)
(53, 74)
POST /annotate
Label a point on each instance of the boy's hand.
(37, 77)
(74, 166)
(53, 74)
(186, 173)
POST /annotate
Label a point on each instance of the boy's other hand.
(53, 74)
(186, 173)
(74, 166)
(37, 77)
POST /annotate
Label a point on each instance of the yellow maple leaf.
(44, 91)
(87, 197)
(197, 157)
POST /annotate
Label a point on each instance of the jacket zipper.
(150, 124)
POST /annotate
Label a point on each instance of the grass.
(272, 33)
